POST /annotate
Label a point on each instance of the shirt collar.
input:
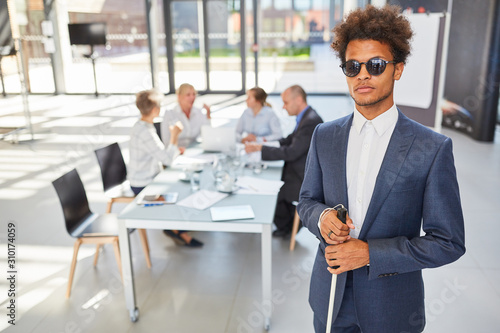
(301, 115)
(381, 123)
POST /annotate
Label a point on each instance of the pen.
(253, 188)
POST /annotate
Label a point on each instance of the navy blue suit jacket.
(416, 188)
(293, 150)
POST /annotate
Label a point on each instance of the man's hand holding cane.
(346, 252)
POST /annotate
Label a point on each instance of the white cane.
(341, 215)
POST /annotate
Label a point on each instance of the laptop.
(218, 139)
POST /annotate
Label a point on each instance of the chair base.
(93, 240)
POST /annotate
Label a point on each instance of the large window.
(294, 44)
(188, 43)
(206, 44)
(123, 63)
(224, 37)
(210, 44)
(26, 17)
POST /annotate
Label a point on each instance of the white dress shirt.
(192, 126)
(147, 154)
(366, 148)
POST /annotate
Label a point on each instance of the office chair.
(158, 129)
(295, 227)
(114, 175)
(81, 223)
(115, 184)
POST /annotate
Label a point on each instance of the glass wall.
(122, 65)
(207, 32)
(188, 43)
(294, 44)
(224, 38)
(163, 78)
(27, 23)
(249, 42)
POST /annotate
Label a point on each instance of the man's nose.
(363, 73)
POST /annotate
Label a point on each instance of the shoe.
(194, 243)
(283, 233)
(176, 237)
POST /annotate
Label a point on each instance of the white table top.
(168, 181)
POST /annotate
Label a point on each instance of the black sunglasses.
(374, 66)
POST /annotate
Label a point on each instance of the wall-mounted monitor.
(87, 33)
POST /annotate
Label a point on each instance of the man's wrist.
(323, 214)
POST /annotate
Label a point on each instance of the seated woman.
(191, 117)
(258, 122)
(148, 154)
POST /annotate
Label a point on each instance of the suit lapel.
(398, 148)
(338, 160)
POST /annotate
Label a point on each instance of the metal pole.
(93, 67)
(47, 9)
(24, 92)
(255, 42)
(151, 10)
(207, 44)
(1, 78)
(169, 42)
(243, 42)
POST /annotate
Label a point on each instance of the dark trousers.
(347, 320)
(136, 190)
(283, 214)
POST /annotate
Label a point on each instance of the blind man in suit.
(293, 150)
(394, 176)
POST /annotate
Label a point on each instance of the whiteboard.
(416, 86)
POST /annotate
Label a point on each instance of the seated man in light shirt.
(191, 117)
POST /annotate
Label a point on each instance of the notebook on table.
(228, 213)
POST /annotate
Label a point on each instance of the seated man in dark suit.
(293, 150)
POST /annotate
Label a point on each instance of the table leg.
(266, 274)
(128, 276)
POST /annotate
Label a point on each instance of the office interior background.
(61, 101)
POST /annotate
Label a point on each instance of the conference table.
(175, 217)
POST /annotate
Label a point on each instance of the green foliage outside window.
(295, 52)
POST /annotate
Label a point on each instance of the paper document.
(202, 199)
(253, 185)
(228, 213)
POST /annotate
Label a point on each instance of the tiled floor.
(216, 288)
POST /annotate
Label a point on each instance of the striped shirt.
(147, 154)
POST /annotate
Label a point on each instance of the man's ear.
(398, 70)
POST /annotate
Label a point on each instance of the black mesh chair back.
(73, 198)
(113, 169)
